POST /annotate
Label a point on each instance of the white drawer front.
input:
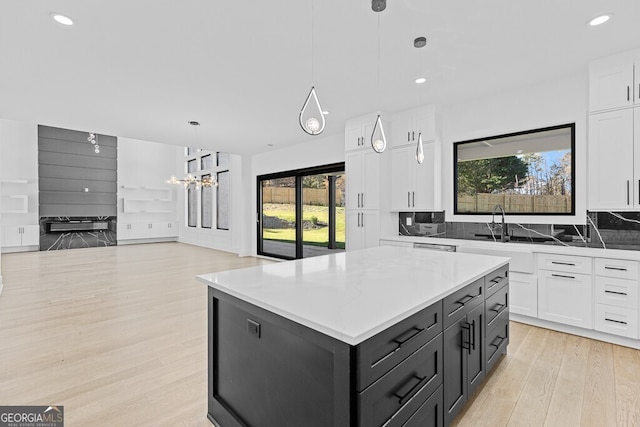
(616, 320)
(622, 269)
(617, 292)
(565, 263)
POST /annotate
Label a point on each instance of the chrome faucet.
(503, 230)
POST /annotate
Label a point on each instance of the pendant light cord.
(312, 42)
(378, 54)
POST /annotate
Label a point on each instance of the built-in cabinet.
(147, 205)
(20, 236)
(616, 297)
(415, 186)
(19, 219)
(363, 228)
(363, 171)
(147, 230)
(614, 82)
(614, 160)
(614, 133)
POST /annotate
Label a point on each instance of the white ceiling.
(143, 68)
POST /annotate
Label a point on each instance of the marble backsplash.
(612, 230)
(57, 233)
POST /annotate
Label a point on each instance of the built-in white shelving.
(14, 196)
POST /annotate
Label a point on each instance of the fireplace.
(58, 233)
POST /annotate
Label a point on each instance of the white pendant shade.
(311, 117)
(419, 150)
(378, 139)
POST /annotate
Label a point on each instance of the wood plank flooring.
(118, 336)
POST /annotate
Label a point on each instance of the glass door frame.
(298, 174)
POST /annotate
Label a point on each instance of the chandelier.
(191, 180)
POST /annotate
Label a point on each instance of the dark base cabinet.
(266, 370)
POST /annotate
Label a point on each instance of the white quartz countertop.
(522, 247)
(351, 296)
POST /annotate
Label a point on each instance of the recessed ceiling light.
(62, 19)
(420, 80)
(325, 112)
(599, 20)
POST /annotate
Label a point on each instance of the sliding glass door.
(301, 213)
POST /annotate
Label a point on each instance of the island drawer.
(395, 397)
(496, 304)
(496, 279)
(461, 302)
(380, 353)
(497, 340)
(430, 414)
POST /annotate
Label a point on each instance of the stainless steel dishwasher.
(435, 247)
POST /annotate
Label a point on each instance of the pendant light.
(378, 138)
(311, 116)
(418, 43)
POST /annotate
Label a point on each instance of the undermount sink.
(521, 258)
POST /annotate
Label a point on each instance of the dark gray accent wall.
(67, 165)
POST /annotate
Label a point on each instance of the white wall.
(224, 240)
(548, 104)
(19, 161)
(317, 151)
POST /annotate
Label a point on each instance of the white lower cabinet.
(523, 293)
(147, 230)
(616, 296)
(363, 229)
(565, 298)
(616, 320)
(20, 235)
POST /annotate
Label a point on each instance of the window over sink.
(527, 173)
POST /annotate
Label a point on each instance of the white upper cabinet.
(407, 125)
(614, 82)
(358, 132)
(414, 186)
(363, 179)
(613, 180)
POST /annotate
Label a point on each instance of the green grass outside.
(317, 237)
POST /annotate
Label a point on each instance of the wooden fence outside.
(514, 203)
(310, 196)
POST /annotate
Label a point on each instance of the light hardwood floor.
(118, 336)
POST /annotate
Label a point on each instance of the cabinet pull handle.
(362, 218)
(362, 200)
(465, 299)
(466, 337)
(499, 340)
(563, 276)
(615, 292)
(499, 307)
(422, 381)
(495, 281)
(408, 199)
(358, 219)
(399, 343)
(615, 321)
(606, 267)
(408, 136)
(413, 199)
(473, 335)
(628, 93)
(627, 192)
(563, 263)
(413, 135)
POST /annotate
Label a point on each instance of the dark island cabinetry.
(267, 370)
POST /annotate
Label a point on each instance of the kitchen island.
(383, 336)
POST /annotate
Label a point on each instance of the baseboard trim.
(574, 330)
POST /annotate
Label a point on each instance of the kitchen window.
(527, 173)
